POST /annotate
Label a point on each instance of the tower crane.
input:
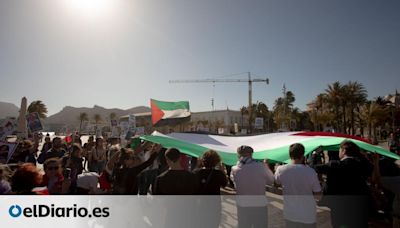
(249, 81)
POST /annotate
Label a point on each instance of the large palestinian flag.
(163, 112)
(273, 146)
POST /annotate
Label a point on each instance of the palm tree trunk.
(80, 126)
(369, 130)
(344, 119)
(337, 119)
(352, 122)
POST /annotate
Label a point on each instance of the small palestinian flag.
(163, 112)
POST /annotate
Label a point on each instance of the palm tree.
(334, 93)
(83, 116)
(262, 111)
(296, 116)
(358, 97)
(322, 111)
(243, 111)
(39, 107)
(289, 99)
(373, 114)
(279, 112)
(112, 116)
(97, 118)
(283, 107)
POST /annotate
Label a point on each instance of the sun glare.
(90, 8)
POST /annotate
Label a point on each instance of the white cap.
(87, 180)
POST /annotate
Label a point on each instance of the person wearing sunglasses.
(53, 177)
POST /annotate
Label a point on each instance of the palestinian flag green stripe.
(279, 154)
(170, 106)
(189, 148)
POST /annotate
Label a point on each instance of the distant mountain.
(70, 115)
(8, 110)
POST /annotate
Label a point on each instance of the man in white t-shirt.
(250, 178)
(299, 183)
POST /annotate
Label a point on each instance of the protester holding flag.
(347, 192)
(250, 178)
(176, 180)
(299, 183)
(211, 176)
(125, 166)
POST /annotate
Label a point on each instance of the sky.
(121, 53)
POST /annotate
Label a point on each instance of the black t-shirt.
(126, 178)
(210, 181)
(176, 182)
(52, 153)
(346, 177)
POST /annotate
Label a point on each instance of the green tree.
(319, 112)
(373, 114)
(112, 116)
(243, 111)
(283, 108)
(97, 118)
(356, 97)
(334, 98)
(263, 112)
(39, 107)
(83, 116)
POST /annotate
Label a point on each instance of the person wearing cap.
(250, 178)
(87, 184)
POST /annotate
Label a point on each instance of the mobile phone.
(67, 173)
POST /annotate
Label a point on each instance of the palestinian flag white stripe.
(273, 146)
(177, 113)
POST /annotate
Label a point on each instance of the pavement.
(275, 211)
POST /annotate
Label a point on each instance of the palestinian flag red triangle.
(156, 113)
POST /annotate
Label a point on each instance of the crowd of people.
(354, 184)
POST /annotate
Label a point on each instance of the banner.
(7, 127)
(132, 123)
(34, 123)
(114, 123)
(140, 131)
(6, 151)
(124, 125)
(259, 123)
